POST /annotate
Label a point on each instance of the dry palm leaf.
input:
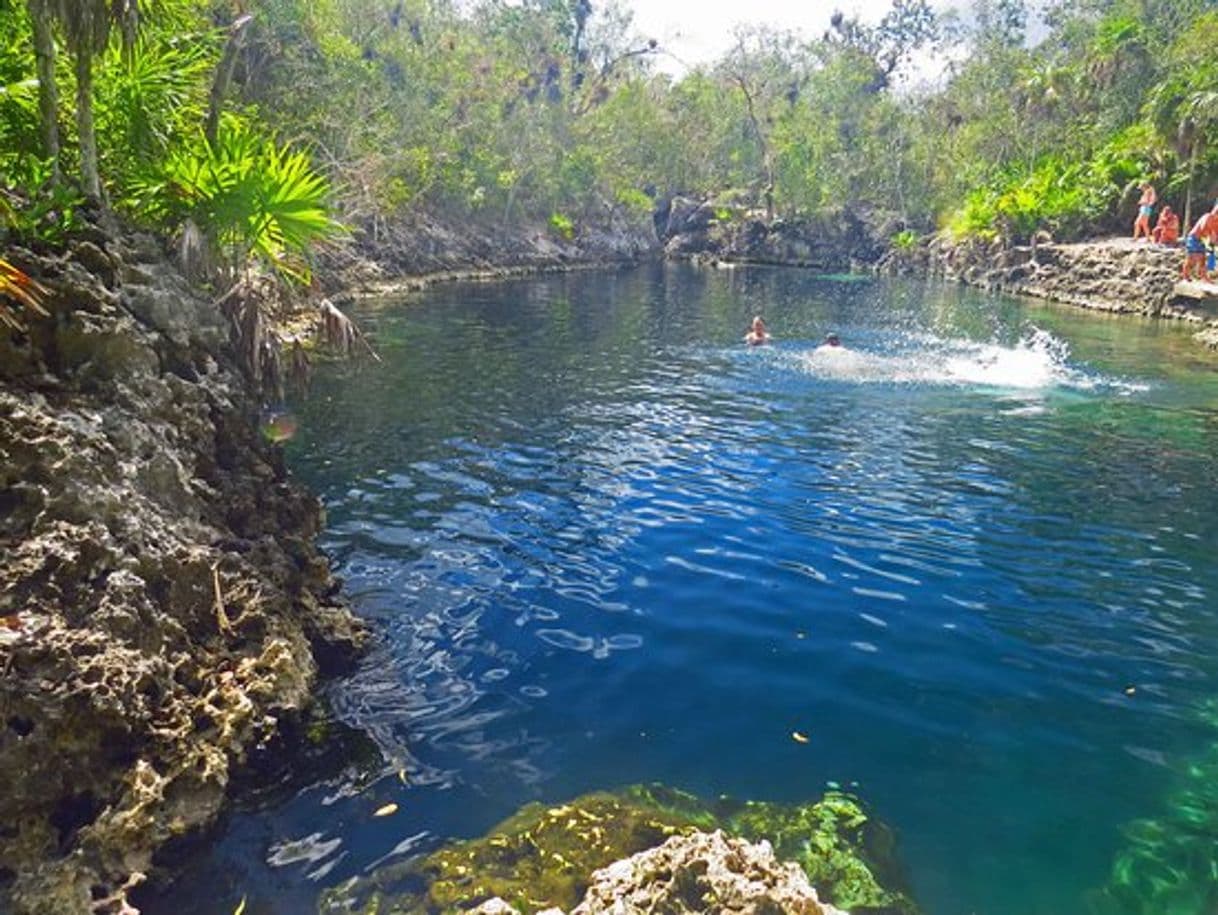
(19, 287)
(341, 333)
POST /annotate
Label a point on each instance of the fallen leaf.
(387, 810)
(1130, 690)
(240, 909)
(12, 621)
(403, 775)
(798, 737)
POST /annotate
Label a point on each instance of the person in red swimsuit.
(1167, 229)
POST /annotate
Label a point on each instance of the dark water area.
(603, 542)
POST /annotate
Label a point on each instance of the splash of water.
(1037, 362)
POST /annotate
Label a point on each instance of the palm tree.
(42, 17)
(86, 25)
(1199, 115)
(1188, 117)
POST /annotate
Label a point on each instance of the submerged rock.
(544, 857)
(161, 601)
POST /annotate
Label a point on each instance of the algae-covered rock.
(545, 856)
(703, 873)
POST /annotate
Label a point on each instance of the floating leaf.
(403, 775)
(798, 737)
(240, 909)
(387, 810)
(1130, 690)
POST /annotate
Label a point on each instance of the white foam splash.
(1037, 362)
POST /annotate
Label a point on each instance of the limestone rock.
(703, 872)
(134, 489)
(495, 906)
(1114, 275)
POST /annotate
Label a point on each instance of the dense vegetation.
(245, 119)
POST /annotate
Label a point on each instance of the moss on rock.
(544, 856)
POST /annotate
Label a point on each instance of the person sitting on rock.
(1167, 229)
(1196, 247)
(757, 334)
(1146, 206)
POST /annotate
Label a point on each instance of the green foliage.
(1065, 197)
(562, 226)
(491, 110)
(36, 209)
(149, 97)
(252, 196)
(904, 240)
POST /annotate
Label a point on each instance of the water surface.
(600, 542)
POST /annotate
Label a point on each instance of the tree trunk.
(90, 178)
(224, 76)
(1188, 195)
(48, 93)
(767, 162)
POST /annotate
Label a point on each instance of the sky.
(697, 31)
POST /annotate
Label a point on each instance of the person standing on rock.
(1146, 207)
(1203, 236)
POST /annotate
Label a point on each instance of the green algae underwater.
(1169, 865)
(543, 856)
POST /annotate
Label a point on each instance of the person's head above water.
(832, 339)
(758, 324)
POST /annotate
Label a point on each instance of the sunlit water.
(601, 541)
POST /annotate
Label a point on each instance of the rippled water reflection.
(603, 542)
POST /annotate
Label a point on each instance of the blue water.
(600, 541)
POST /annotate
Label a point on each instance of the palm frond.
(18, 287)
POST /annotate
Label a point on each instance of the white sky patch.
(693, 32)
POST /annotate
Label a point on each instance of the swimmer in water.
(832, 339)
(757, 334)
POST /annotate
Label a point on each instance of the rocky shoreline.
(1113, 275)
(162, 604)
(416, 253)
(164, 611)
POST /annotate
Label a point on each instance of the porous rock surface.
(415, 251)
(703, 872)
(714, 231)
(695, 873)
(161, 600)
(1115, 275)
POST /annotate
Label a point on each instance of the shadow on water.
(602, 543)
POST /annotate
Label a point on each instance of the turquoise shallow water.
(603, 542)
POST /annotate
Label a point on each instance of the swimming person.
(832, 339)
(757, 334)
